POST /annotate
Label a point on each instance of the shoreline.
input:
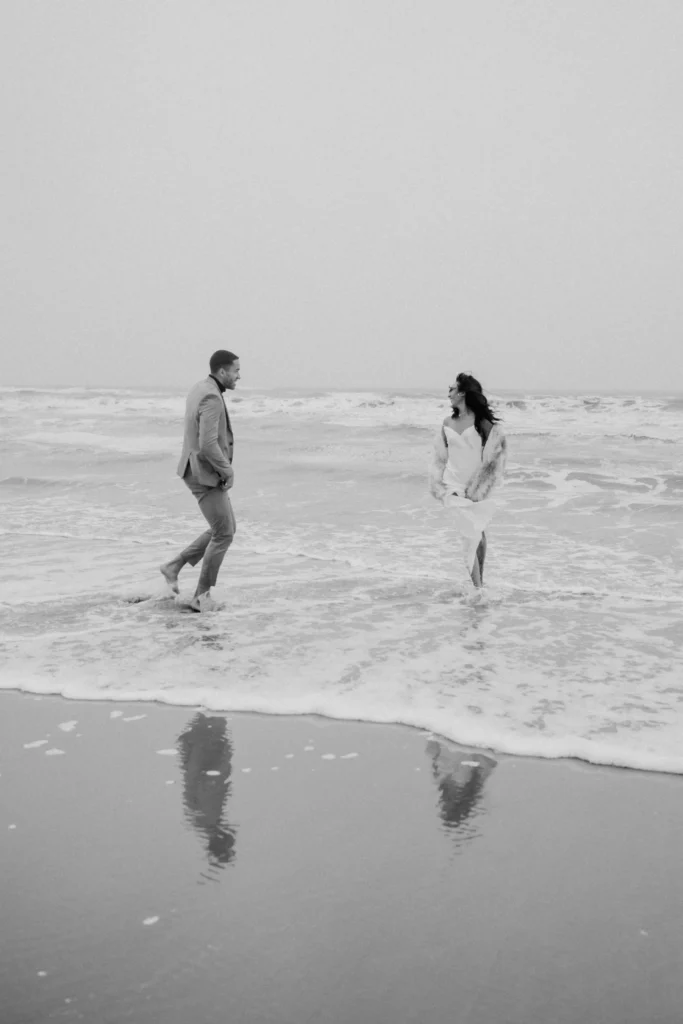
(172, 864)
(424, 729)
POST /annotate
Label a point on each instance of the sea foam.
(344, 593)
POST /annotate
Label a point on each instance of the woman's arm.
(437, 465)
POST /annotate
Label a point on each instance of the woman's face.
(456, 399)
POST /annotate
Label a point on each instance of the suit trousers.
(211, 545)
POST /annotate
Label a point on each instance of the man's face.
(229, 375)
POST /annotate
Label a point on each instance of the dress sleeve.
(437, 464)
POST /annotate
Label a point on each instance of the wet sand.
(189, 868)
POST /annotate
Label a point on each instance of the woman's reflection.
(460, 779)
(206, 758)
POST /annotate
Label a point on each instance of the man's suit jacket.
(208, 440)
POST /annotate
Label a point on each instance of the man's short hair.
(221, 358)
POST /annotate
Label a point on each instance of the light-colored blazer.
(208, 440)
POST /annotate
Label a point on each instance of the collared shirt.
(221, 387)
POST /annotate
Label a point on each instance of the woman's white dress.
(470, 518)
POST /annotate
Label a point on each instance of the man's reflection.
(460, 779)
(206, 758)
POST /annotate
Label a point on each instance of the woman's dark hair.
(466, 382)
(476, 401)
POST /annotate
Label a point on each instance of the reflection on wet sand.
(205, 751)
(460, 778)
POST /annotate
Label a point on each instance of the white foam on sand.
(548, 673)
(388, 701)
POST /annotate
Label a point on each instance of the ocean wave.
(345, 593)
(44, 481)
(70, 535)
(640, 417)
(466, 730)
(650, 437)
(614, 417)
(369, 625)
(96, 403)
(86, 441)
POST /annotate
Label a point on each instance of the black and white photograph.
(341, 512)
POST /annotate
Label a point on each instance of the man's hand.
(227, 481)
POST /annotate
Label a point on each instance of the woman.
(468, 464)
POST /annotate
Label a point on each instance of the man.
(205, 466)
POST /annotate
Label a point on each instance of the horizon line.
(350, 388)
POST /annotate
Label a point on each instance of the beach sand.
(160, 864)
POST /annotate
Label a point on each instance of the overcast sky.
(345, 192)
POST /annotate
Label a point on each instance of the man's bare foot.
(203, 603)
(170, 574)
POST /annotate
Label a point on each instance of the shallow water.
(343, 593)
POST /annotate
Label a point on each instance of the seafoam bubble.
(53, 752)
(151, 920)
(35, 743)
(169, 752)
(68, 726)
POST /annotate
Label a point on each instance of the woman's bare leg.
(481, 557)
(475, 573)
